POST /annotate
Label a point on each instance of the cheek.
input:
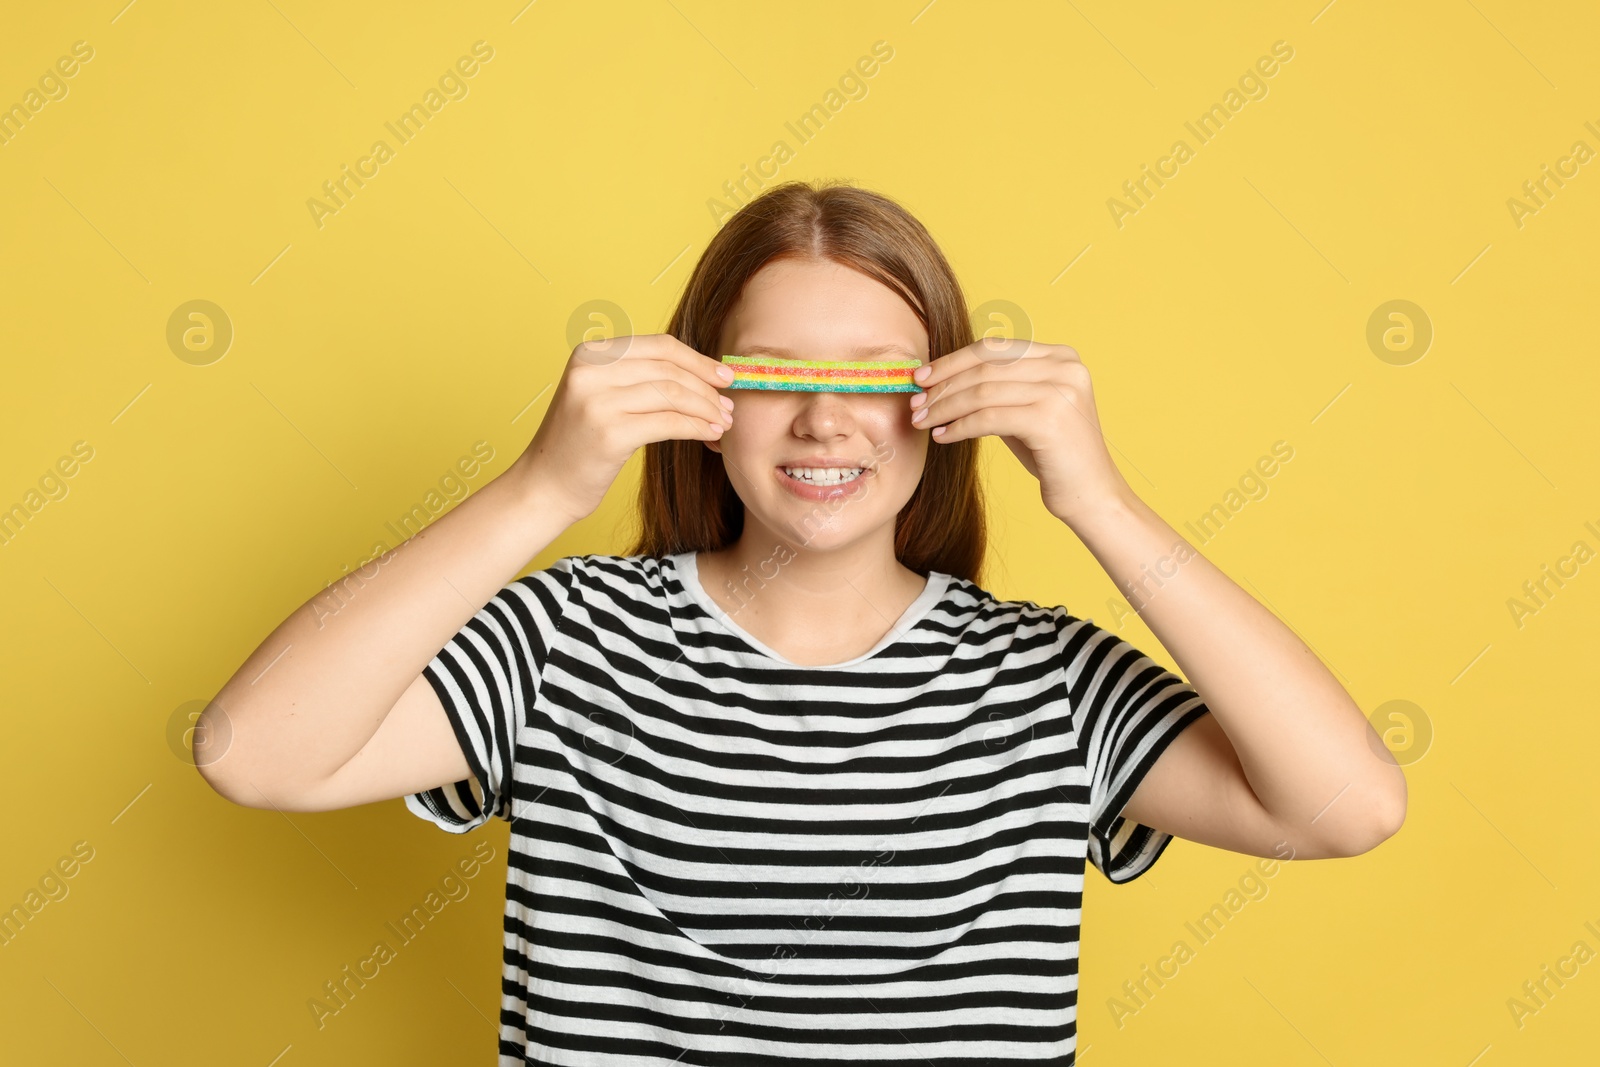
(903, 426)
(755, 425)
(901, 444)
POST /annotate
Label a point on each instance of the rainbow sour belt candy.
(823, 376)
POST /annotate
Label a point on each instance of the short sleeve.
(1126, 709)
(486, 678)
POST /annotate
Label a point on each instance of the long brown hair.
(686, 503)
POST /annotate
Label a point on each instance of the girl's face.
(821, 310)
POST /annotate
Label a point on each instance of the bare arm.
(1286, 755)
(328, 687)
(332, 710)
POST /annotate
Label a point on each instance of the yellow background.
(370, 353)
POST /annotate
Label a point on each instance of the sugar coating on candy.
(822, 375)
(821, 364)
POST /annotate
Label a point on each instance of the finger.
(953, 405)
(1031, 370)
(634, 371)
(994, 349)
(664, 394)
(709, 368)
(675, 426)
(658, 347)
(1005, 421)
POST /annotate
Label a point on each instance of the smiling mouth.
(824, 476)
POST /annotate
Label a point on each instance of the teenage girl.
(784, 783)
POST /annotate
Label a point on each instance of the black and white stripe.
(718, 856)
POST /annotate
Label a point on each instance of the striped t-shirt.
(718, 856)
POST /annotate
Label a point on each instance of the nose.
(823, 415)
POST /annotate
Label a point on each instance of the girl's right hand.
(614, 396)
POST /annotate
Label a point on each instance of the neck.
(797, 589)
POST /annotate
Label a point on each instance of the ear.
(715, 446)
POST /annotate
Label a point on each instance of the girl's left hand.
(1038, 400)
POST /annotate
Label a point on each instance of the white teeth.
(824, 475)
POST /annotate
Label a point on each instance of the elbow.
(208, 747)
(1386, 813)
(213, 754)
(241, 774)
(240, 789)
(223, 787)
(1360, 829)
(230, 787)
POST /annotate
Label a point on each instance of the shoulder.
(979, 614)
(983, 601)
(591, 567)
(616, 584)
